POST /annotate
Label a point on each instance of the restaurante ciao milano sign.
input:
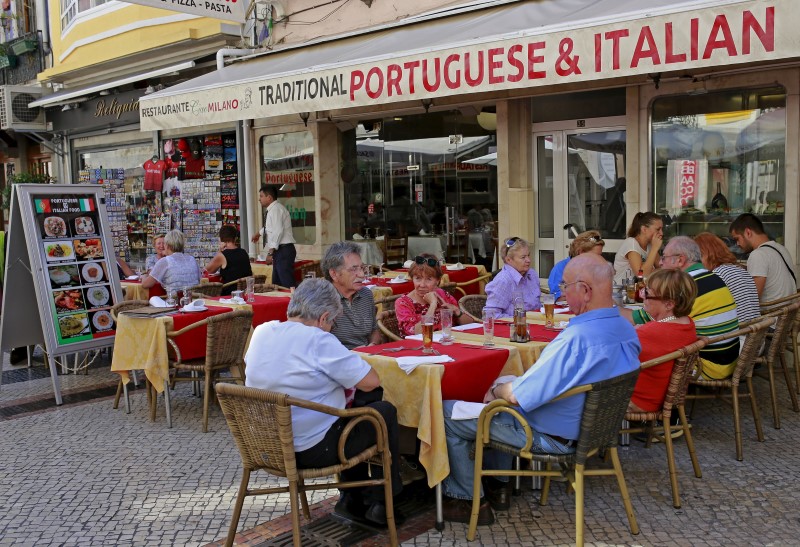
(721, 35)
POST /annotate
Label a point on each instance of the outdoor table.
(133, 290)
(395, 288)
(529, 351)
(260, 267)
(418, 396)
(270, 306)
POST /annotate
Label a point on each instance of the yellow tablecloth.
(134, 291)
(529, 352)
(141, 343)
(418, 398)
(262, 269)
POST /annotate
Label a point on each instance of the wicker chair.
(605, 405)
(122, 387)
(481, 279)
(754, 334)
(267, 287)
(473, 305)
(387, 322)
(313, 267)
(241, 283)
(226, 339)
(261, 424)
(685, 362)
(386, 303)
(206, 289)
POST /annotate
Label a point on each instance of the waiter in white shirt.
(278, 237)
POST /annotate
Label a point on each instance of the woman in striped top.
(719, 259)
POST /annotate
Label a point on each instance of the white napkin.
(408, 364)
(158, 302)
(468, 326)
(456, 266)
(556, 310)
(437, 337)
(132, 277)
(408, 263)
(234, 300)
(463, 410)
(423, 233)
(369, 286)
(358, 236)
(197, 305)
(379, 238)
(398, 279)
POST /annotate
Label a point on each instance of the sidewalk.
(84, 474)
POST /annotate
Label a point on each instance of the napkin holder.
(519, 329)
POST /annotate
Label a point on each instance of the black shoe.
(18, 355)
(455, 510)
(376, 515)
(497, 493)
(350, 506)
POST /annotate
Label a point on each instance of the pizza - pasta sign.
(725, 35)
(228, 10)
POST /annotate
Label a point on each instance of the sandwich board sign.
(61, 275)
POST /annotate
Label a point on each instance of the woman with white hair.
(176, 270)
(312, 364)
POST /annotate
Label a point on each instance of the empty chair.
(395, 250)
(206, 289)
(473, 305)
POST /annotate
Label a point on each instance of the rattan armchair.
(226, 338)
(386, 303)
(241, 283)
(480, 279)
(122, 387)
(729, 387)
(603, 410)
(308, 267)
(473, 305)
(685, 363)
(387, 322)
(261, 424)
(268, 287)
(206, 289)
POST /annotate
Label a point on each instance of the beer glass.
(488, 317)
(427, 335)
(447, 325)
(549, 303)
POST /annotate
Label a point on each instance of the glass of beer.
(488, 317)
(447, 325)
(630, 292)
(427, 334)
(549, 303)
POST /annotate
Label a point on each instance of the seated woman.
(232, 261)
(158, 245)
(427, 299)
(640, 250)
(718, 258)
(176, 270)
(313, 365)
(585, 242)
(668, 298)
(516, 278)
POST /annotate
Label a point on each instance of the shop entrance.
(579, 181)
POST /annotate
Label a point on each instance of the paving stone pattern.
(84, 474)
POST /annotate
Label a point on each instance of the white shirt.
(307, 363)
(278, 226)
(776, 265)
(621, 263)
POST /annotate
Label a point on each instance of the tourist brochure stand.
(61, 274)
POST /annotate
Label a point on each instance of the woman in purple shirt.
(515, 279)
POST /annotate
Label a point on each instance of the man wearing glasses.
(714, 309)
(598, 344)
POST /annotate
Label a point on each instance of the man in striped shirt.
(714, 310)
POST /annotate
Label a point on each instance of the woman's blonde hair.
(585, 242)
(512, 244)
(674, 285)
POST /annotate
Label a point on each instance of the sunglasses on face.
(430, 261)
(650, 295)
(511, 242)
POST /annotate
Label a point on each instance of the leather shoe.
(497, 493)
(455, 510)
(376, 515)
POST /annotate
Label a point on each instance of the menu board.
(77, 262)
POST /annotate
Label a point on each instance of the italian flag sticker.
(86, 204)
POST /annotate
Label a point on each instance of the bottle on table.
(640, 283)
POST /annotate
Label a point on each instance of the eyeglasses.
(563, 286)
(670, 256)
(511, 242)
(650, 296)
(355, 269)
(430, 261)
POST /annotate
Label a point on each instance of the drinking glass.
(427, 335)
(630, 292)
(488, 317)
(171, 298)
(236, 294)
(186, 299)
(251, 297)
(366, 233)
(549, 303)
(446, 315)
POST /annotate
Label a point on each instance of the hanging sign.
(227, 10)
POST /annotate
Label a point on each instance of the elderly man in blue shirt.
(598, 344)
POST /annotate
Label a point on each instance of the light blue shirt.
(500, 291)
(597, 345)
(556, 275)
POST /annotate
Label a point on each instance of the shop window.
(408, 175)
(287, 162)
(717, 155)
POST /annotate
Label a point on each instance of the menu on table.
(77, 262)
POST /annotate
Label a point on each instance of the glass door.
(579, 186)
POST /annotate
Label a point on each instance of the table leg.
(127, 398)
(168, 404)
(439, 512)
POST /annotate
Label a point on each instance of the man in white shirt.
(278, 237)
(770, 263)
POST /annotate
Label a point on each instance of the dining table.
(529, 351)
(260, 267)
(132, 288)
(455, 273)
(418, 395)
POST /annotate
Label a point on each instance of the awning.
(70, 94)
(512, 46)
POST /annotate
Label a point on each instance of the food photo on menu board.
(93, 272)
(102, 320)
(72, 326)
(59, 251)
(68, 301)
(88, 249)
(64, 276)
(98, 296)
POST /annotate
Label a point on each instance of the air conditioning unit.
(14, 111)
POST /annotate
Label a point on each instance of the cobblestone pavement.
(85, 474)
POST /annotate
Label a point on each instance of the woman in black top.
(232, 261)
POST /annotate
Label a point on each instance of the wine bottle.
(639, 280)
(719, 202)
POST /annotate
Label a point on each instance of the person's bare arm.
(148, 281)
(504, 391)
(216, 263)
(760, 284)
(627, 314)
(369, 382)
(376, 337)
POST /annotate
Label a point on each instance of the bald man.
(598, 344)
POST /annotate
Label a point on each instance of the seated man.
(598, 344)
(713, 311)
(301, 358)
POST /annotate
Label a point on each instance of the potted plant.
(23, 178)
(24, 45)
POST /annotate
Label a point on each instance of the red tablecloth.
(538, 333)
(465, 379)
(193, 343)
(298, 275)
(267, 308)
(213, 278)
(155, 290)
(397, 288)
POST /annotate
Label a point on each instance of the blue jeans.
(460, 434)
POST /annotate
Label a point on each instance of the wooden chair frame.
(480, 279)
(206, 289)
(261, 424)
(603, 410)
(241, 283)
(395, 250)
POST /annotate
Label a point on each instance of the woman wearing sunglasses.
(427, 299)
(668, 298)
(586, 242)
(516, 278)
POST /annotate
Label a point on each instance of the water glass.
(549, 303)
(488, 317)
(251, 296)
(186, 299)
(171, 298)
(446, 315)
(427, 335)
